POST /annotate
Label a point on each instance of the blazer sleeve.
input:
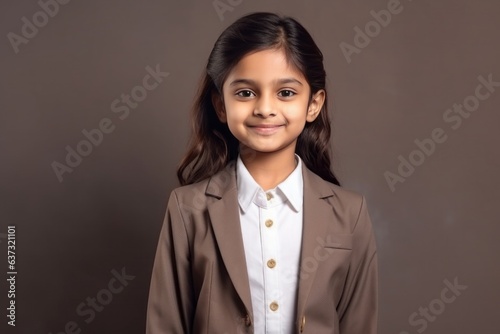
(170, 303)
(358, 307)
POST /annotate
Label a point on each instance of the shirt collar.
(291, 189)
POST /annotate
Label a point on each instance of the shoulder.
(327, 189)
(345, 203)
(197, 195)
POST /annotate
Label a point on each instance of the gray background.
(439, 225)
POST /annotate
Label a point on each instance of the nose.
(265, 106)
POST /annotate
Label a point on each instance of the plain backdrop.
(66, 68)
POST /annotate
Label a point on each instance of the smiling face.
(266, 102)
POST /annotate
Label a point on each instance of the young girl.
(261, 238)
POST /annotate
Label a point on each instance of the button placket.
(270, 243)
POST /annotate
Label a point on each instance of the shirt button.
(269, 196)
(269, 223)
(273, 306)
(271, 263)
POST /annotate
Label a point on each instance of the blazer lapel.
(225, 220)
(317, 214)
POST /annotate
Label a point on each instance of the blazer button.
(302, 324)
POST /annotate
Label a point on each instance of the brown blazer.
(200, 284)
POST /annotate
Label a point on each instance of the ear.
(219, 107)
(315, 105)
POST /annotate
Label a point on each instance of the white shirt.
(271, 225)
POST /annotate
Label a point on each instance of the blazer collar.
(225, 180)
(318, 215)
(225, 220)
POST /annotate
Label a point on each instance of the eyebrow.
(252, 82)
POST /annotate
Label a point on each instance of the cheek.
(296, 113)
(237, 112)
(235, 123)
(234, 118)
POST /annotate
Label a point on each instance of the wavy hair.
(212, 145)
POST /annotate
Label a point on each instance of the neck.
(269, 169)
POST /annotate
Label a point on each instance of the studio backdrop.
(95, 100)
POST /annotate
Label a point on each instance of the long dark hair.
(212, 145)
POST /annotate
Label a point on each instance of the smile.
(265, 129)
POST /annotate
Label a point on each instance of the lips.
(265, 129)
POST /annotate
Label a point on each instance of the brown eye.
(244, 93)
(286, 93)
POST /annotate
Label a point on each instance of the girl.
(261, 238)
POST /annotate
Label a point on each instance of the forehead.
(264, 67)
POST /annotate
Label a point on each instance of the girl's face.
(266, 102)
